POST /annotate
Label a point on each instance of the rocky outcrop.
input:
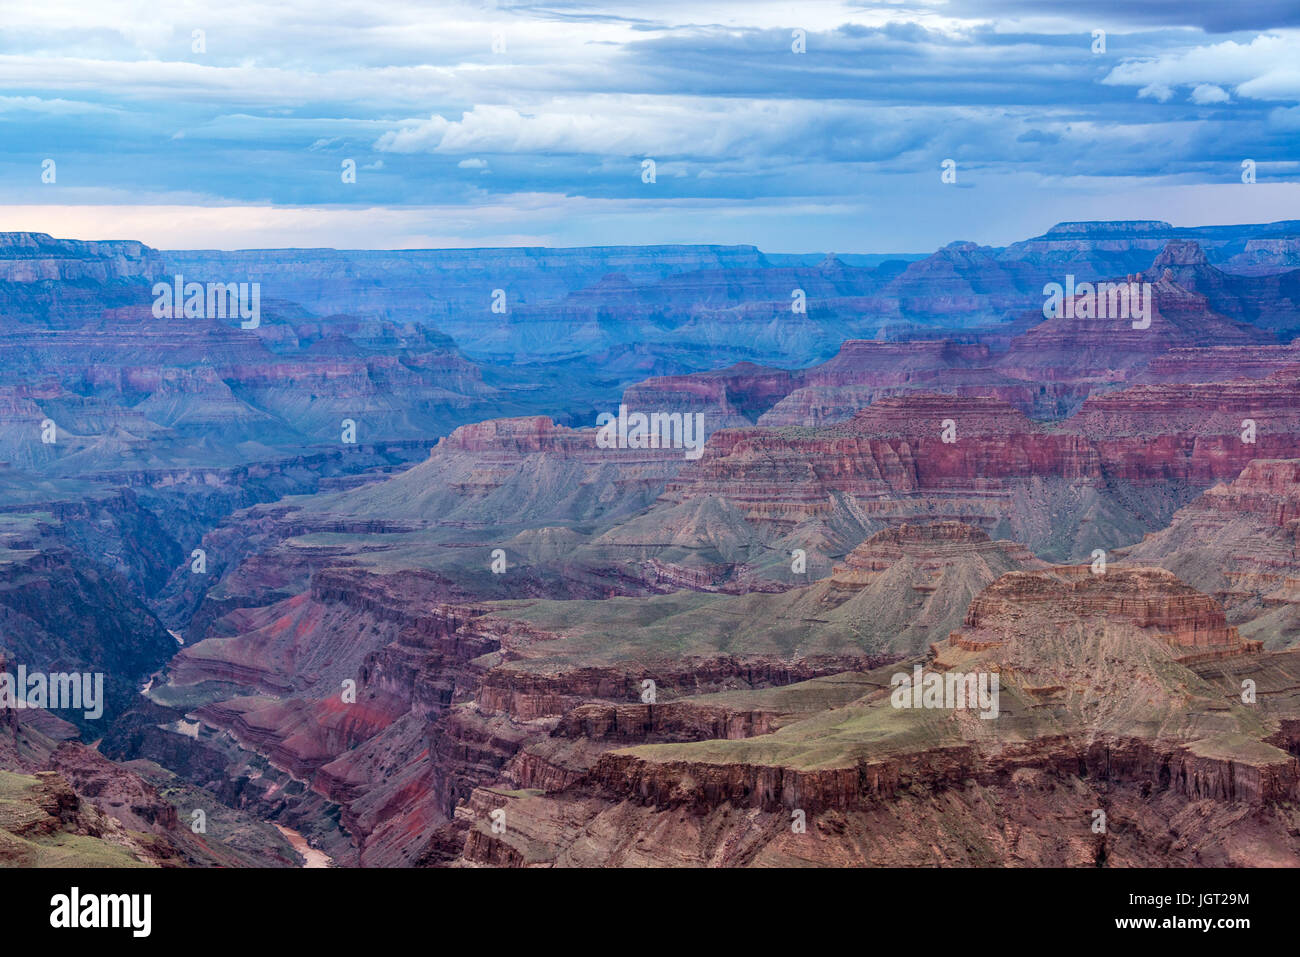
(1151, 599)
(1047, 369)
(666, 784)
(527, 695)
(62, 613)
(1266, 256)
(1221, 363)
(38, 257)
(1240, 541)
(934, 811)
(672, 721)
(936, 544)
(894, 462)
(1085, 660)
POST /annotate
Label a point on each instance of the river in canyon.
(314, 857)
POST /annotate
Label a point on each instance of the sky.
(234, 124)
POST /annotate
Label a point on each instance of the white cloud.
(1285, 118)
(1282, 83)
(1207, 93)
(732, 129)
(1264, 69)
(709, 90)
(35, 104)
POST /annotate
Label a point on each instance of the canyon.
(472, 636)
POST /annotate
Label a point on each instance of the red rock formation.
(509, 438)
(1240, 541)
(1194, 409)
(1110, 349)
(699, 785)
(1266, 487)
(1046, 371)
(863, 372)
(528, 695)
(934, 544)
(1221, 363)
(1148, 435)
(1150, 599)
(671, 721)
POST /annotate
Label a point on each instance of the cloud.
(35, 104)
(1285, 118)
(1207, 93)
(918, 216)
(1267, 68)
(766, 132)
(710, 89)
(1211, 17)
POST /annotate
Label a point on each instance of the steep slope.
(1100, 715)
(1239, 541)
(1269, 302)
(1111, 348)
(453, 696)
